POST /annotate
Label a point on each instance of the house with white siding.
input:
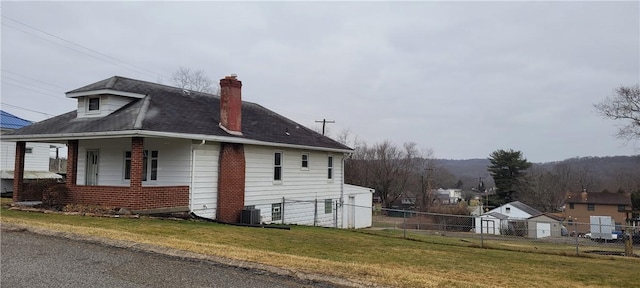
(504, 219)
(154, 148)
(36, 161)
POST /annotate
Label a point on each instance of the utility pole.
(324, 122)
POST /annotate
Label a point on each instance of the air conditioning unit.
(250, 216)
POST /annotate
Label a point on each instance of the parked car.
(615, 235)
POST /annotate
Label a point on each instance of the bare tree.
(542, 190)
(195, 80)
(624, 104)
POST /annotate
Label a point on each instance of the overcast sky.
(462, 78)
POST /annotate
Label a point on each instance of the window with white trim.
(277, 166)
(149, 165)
(328, 206)
(93, 104)
(304, 161)
(276, 212)
(330, 167)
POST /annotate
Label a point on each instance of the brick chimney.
(231, 105)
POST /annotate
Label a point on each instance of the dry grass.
(381, 258)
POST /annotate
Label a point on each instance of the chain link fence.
(536, 234)
(316, 212)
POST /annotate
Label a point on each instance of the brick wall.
(18, 175)
(231, 182)
(72, 163)
(125, 197)
(582, 213)
(133, 197)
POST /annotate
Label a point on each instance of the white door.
(204, 181)
(92, 168)
(351, 212)
(543, 230)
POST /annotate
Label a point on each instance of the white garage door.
(204, 182)
(543, 230)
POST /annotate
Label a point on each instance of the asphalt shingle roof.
(526, 208)
(598, 198)
(170, 109)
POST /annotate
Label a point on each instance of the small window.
(277, 166)
(28, 150)
(330, 167)
(250, 207)
(570, 222)
(94, 104)
(328, 206)
(276, 212)
(591, 207)
(508, 209)
(570, 205)
(305, 161)
(621, 207)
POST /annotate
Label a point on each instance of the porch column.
(72, 163)
(135, 182)
(18, 172)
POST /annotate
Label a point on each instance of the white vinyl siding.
(37, 160)
(297, 184)
(174, 161)
(108, 104)
(204, 186)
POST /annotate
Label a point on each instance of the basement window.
(328, 206)
(276, 212)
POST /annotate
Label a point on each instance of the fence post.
(481, 234)
(282, 210)
(445, 223)
(577, 251)
(315, 212)
(404, 224)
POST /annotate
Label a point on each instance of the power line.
(39, 87)
(30, 110)
(27, 88)
(33, 79)
(137, 68)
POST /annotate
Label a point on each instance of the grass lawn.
(380, 257)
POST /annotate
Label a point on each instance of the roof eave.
(139, 133)
(104, 91)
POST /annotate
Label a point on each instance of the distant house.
(580, 206)
(507, 219)
(545, 225)
(36, 160)
(154, 148)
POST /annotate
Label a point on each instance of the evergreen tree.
(508, 171)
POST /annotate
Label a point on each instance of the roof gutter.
(143, 133)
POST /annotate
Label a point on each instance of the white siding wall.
(297, 183)
(204, 187)
(361, 209)
(38, 160)
(174, 160)
(108, 104)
